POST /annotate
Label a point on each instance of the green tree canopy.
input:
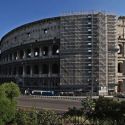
(11, 90)
(7, 103)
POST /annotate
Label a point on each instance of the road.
(59, 105)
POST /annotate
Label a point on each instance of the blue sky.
(14, 13)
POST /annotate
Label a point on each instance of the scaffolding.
(72, 52)
(84, 53)
(112, 53)
(103, 54)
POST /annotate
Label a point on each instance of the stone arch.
(45, 68)
(120, 67)
(55, 68)
(28, 68)
(55, 50)
(36, 52)
(121, 49)
(35, 69)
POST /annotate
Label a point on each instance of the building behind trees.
(72, 53)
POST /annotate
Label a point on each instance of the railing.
(79, 98)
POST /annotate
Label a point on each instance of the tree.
(88, 106)
(48, 118)
(7, 103)
(11, 90)
(73, 112)
(104, 111)
(109, 110)
(26, 117)
(7, 110)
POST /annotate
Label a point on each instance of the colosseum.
(74, 53)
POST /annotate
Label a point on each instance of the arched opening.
(35, 69)
(55, 68)
(10, 57)
(45, 69)
(10, 70)
(36, 52)
(5, 71)
(120, 67)
(28, 70)
(45, 31)
(14, 71)
(55, 50)
(20, 70)
(119, 89)
(21, 54)
(120, 51)
(0, 70)
(45, 51)
(15, 55)
(28, 53)
(7, 68)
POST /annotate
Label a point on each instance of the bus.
(43, 93)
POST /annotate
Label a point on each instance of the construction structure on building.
(74, 53)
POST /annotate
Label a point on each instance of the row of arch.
(31, 52)
(31, 69)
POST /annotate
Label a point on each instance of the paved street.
(47, 103)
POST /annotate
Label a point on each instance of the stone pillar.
(50, 72)
(50, 51)
(40, 70)
(12, 56)
(8, 58)
(24, 73)
(17, 55)
(17, 68)
(31, 70)
(24, 56)
(123, 50)
(11, 71)
(40, 51)
(32, 52)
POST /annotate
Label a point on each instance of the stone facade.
(71, 54)
(121, 53)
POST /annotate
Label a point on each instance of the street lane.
(47, 103)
